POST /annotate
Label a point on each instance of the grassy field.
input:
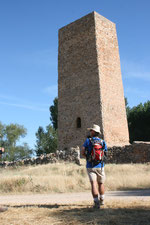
(71, 178)
(114, 213)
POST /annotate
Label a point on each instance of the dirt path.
(71, 198)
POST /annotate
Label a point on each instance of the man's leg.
(101, 193)
(101, 189)
(94, 191)
(93, 181)
(101, 179)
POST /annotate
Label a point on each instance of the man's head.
(94, 130)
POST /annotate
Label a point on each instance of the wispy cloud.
(30, 107)
(17, 102)
(8, 97)
(135, 70)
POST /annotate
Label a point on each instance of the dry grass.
(114, 213)
(71, 178)
(127, 176)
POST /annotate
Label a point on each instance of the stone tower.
(90, 86)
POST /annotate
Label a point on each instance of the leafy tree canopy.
(46, 140)
(9, 135)
(139, 122)
(54, 113)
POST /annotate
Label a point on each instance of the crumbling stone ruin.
(71, 155)
(90, 86)
(138, 152)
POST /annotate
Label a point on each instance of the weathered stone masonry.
(90, 86)
(135, 153)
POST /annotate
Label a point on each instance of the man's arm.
(84, 149)
(104, 146)
(83, 152)
(105, 150)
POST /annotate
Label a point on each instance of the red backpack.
(97, 152)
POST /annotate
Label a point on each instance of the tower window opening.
(78, 122)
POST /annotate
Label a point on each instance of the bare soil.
(121, 208)
(71, 198)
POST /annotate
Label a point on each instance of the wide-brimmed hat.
(96, 128)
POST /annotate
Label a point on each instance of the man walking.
(94, 150)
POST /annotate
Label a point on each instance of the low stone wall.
(138, 152)
(71, 155)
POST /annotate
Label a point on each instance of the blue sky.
(29, 47)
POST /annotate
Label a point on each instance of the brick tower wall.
(114, 122)
(84, 76)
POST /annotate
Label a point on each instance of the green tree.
(10, 134)
(127, 107)
(46, 140)
(139, 122)
(40, 140)
(52, 137)
(13, 133)
(54, 113)
(2, 134)
(18, 152)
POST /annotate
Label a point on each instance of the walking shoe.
(96, 205)
(3, 209)
(101, 201)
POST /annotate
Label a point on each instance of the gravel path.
(71, 198)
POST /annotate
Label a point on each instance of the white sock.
(102, 197)
(96, 199)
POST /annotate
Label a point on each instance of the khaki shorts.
(96, 174)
